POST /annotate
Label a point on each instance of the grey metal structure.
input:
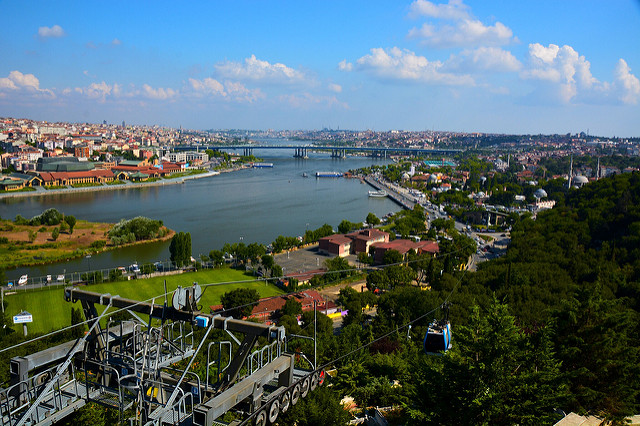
(145, 368)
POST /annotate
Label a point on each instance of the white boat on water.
(23, 279)
(378, 194)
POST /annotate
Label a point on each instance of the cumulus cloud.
(345, 66)
(454, 26)
(51, 32)
(26, 83)
(627, 85)
(402, 64)
(159, 94)
(256, 69)
(455, 9)
(484, 59)
(228, 90)
(464, 33)
(562, 72)
(562, 67)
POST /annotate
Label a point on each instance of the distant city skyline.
(469, 66)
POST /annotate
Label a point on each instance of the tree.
(240, 302)
(267, 261)
(291, 307)
(372, 219)
(598, 346)
(345, 226)
(71, 221)
(217, 257)
(392, 257)
(320, 407)
(77, 318)
(495, 374)
(180, 248)
(32, 236)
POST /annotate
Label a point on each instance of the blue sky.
(490, 66)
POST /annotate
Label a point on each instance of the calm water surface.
(252, 205)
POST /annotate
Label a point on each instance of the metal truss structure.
(144, 368)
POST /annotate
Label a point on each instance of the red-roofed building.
(71, 178)
(266, 308)
(338, 244)
(403, 247)
(365, 238)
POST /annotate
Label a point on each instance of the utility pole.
(315, 333)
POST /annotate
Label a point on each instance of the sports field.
(51, 312)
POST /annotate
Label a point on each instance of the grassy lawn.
(51, 312)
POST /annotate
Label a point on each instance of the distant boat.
(329, 174)
(378, 194)
(305, 174)
(23, 279)
(262, 165)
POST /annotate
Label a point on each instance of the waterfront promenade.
(41, 191)
(395, 193)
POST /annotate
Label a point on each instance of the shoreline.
(180, 180)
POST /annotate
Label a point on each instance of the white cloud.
(403, 64)
(54, 32)
(345, 66)
(27, 83)
(562, 67)
(465, 33)
(229, 90)
(627, 84)
(256, 69)
(159, 93)
(116, 42)
(335, 87)
(484, 59)
(461, 28)
(564, 73)
(455, 9)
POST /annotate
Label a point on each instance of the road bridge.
(300, 150)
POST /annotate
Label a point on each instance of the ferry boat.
(262, 165)
(329, 174)
(23, 279)
(378, 194)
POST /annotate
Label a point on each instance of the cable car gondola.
(437, 340)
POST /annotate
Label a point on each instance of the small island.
(53, 237)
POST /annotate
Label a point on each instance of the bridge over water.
(300, 151)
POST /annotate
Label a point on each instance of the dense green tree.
(345, 226)
(180, 248)
(495, 374)
(372, 219)
(291, 307)
(320, 407)
(71, 221)
(392, 257)
(597, 341)
(240, 302)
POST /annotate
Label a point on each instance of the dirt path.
(333, 292)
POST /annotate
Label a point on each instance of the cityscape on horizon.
(456, 66)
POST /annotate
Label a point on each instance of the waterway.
(249, 205)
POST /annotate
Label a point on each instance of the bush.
(99, 244)
(141, 228)
(48, 217)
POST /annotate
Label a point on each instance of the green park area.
(51, 312)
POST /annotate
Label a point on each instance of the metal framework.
(144, 368)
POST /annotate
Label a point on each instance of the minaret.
(598, 170)
(570, 171)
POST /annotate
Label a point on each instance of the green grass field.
(51, 312)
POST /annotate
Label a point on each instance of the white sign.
(22, 318)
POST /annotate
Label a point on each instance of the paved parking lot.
(301, 260)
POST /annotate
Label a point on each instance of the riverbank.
(40, 191)
(26, 245)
